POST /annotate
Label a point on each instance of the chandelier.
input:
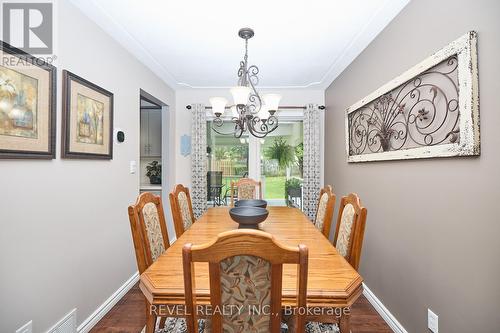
(250, 111)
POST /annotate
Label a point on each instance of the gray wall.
(64, 233)
(433, 226)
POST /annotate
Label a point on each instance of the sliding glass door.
(281, 164)
(276, 160)
(227, 159)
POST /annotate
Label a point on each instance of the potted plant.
(154, 172)
(282, 152)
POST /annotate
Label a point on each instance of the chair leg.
(151, 320)
(162, 322)
(345, 323)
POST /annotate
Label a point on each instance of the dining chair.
(324, 213)
(348, 241)
(182, 209)
(245, 188)
(214, 187)
(350, 229)
(245, 270)
(150, 237)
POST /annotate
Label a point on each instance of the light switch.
(133, 167)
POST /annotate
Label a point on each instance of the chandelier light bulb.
(272, 102)
(218, 105)
(240, 94)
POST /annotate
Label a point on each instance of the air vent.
(65, 325)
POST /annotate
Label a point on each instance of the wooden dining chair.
(350, 229)
(348, 240)
(245, 269)
(182, 209)
(324, 213)
(245, 188)
(150, 237)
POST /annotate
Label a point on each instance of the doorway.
(153, 144)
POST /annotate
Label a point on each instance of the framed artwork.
(185, 145)
(87, 119)
(27, 105)
(431, 110)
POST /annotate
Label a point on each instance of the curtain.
(312, 160)
(198, 159)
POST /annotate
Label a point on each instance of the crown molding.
(117, 32)
(379, 20)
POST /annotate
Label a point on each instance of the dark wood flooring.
(129, 316)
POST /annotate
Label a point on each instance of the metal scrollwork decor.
(431, 110)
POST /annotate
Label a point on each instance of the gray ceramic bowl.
(251, 203)
(248, 217)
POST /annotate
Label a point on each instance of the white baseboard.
(94, 318)
(383, 312)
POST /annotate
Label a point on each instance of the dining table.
(333, 285)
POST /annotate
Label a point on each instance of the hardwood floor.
(128, 316)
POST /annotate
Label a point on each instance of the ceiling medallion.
(250, 111)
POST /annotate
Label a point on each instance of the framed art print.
(27, 105)
(87, 123)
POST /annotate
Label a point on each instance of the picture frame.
(87, 119)
(431, 110)
(27, 105)
(185, 145)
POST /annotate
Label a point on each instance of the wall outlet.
(432, 321)
(26, 328)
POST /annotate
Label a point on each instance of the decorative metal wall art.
(431, 110)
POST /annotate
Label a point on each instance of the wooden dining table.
(332, 286)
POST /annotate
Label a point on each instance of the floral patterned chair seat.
(178, 325)
(315, 327)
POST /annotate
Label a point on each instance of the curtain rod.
(289, 107)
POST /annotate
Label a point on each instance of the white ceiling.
(194, 43)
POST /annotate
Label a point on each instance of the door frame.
(166, 177)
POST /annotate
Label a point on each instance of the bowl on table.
(248, 217)
(251, 203)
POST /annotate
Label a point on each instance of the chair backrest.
(350, 229)
(246, 188)
(182, 209)
(324, 213)
(149, 231)
(245, 268)
(214, 177)
(214, 184)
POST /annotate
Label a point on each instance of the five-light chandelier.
(250, 111)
